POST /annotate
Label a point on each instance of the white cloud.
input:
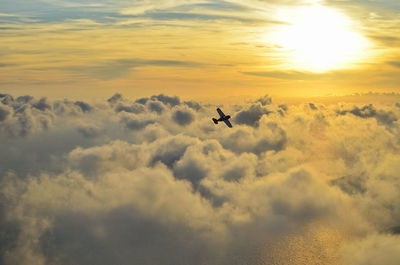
(122, 182)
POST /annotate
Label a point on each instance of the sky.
(109, 155)
(199, 49)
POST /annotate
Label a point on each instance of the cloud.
(155, 181)
(220, 5)
(131, 108)
(386, 39)
(89, 130)
(183, 116)
(170, 16)
(83, 105)
(4, 111)
(41, 105)
(170, 150)
(251, 115)
(150, 241)
(5, 64)
(368, 111)
(312, 106)
(115, 98)
(375, 249)
(167, 100)
(134, 122)
(114, 69)
(291, 75)
(59, 11)
(265, 100)
(395, 64)
(156, 106)
(193, 105)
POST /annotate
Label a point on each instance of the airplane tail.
(215, 121)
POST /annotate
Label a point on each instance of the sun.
(318, 39)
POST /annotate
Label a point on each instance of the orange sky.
(199, 49)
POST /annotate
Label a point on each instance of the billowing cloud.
(183, 116)
(252, 114)
(368, 111)
(155, 181)
(375, 249)
(4, 111)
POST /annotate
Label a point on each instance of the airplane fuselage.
(225, 118)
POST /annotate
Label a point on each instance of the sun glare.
(318, 39)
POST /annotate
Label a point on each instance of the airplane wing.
(228, 123)
(220, 112)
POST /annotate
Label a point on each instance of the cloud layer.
(154, 181)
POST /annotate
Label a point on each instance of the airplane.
(223, 117)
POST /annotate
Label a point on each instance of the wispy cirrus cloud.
(113, 69)
(290, 75)
(395, 64)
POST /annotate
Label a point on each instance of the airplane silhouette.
(223, 117)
